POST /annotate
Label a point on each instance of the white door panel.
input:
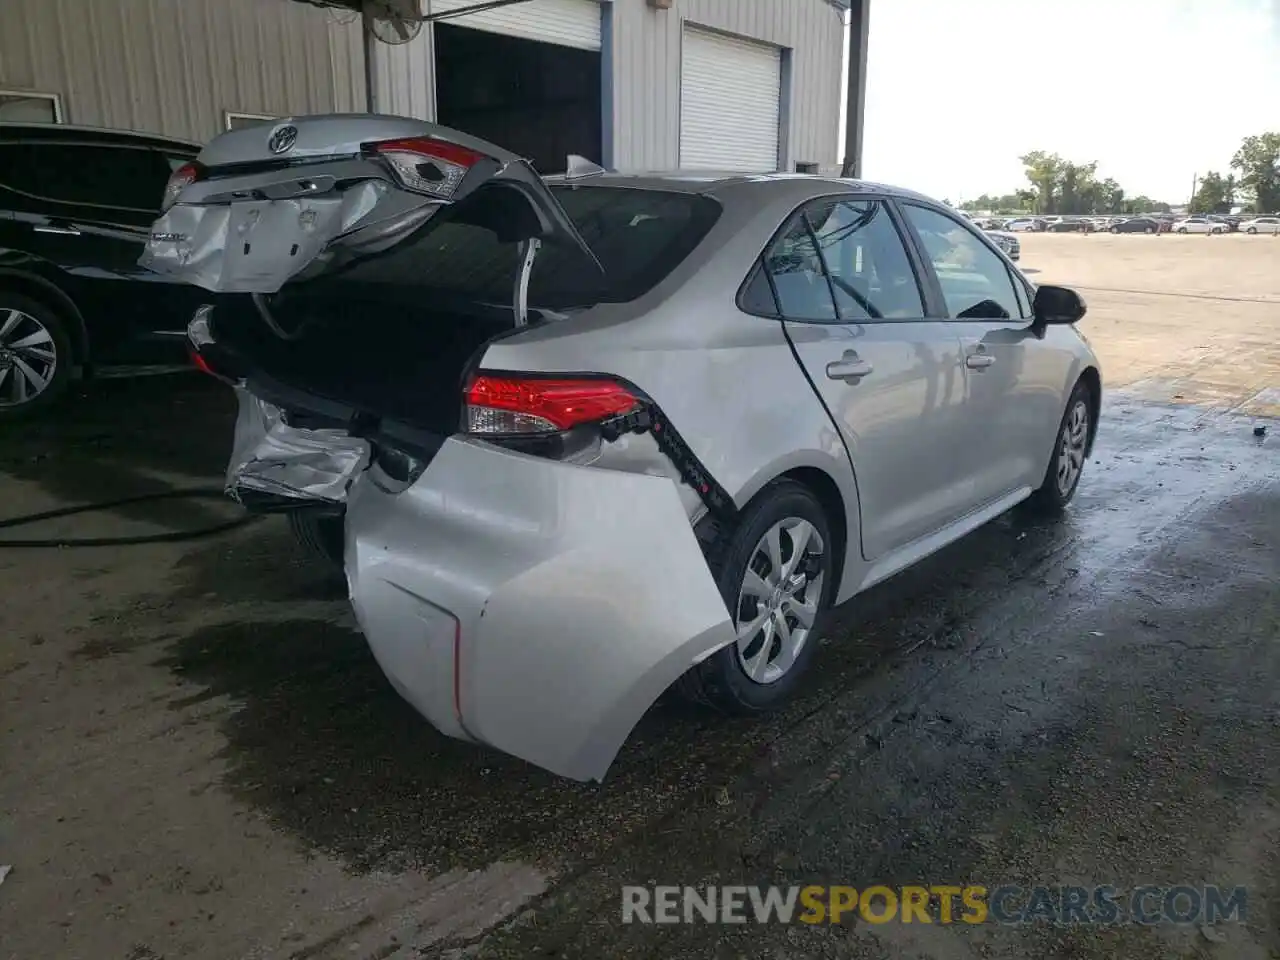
(570, 23)
(730, 93)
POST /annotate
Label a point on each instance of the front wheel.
(776, 573)
(1071, 445)
(1252, 230)
(1149, 230)
(1115, 229)
(1182, 229)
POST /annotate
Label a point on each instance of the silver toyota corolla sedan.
(579, 440)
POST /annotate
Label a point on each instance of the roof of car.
(722, 181)
(69, 133)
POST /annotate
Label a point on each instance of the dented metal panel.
(573, 596)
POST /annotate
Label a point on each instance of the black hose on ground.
(171, 536)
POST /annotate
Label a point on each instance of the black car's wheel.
(1071, 444)
(1149, 230)
(776, 572)
(35, 356)
(321, 536)
(1115, 229)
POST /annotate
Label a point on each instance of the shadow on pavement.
(121, 438)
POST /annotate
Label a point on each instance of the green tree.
(1044, 171)
(1213, 195)
(1258, 161)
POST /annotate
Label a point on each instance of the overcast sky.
(1156, 91)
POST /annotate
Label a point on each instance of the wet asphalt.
(1092, 700)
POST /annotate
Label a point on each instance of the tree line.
(1059, 186)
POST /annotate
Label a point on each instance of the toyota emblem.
(283, 139)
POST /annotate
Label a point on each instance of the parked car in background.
(1024, 225)
(556, 490)
(76, 208)
(1136, 225)
(1261, 225)
(1070, 225)
(1007, 242)
(1228, 221)
(1199, 225)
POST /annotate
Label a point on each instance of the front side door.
(87, 210)
(851, 302)
(1013, 384)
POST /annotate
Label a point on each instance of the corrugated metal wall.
(175, 66)
(646, 53)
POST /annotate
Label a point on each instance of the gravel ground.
(202, 760)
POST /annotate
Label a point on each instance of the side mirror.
(1057, 305)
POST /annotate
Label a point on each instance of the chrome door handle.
(979, 361)
(63, 231)
(848, 367)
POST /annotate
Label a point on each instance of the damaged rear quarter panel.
(580, 595)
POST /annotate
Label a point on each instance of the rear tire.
(35, 356)
(1070, 448)
(1149, 230)
(321, 536)
(762, 670)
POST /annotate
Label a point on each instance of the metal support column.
(859, 19)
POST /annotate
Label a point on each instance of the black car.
(1137, 225)
(1070, 226)
(76, 207)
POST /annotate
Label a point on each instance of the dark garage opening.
(539, 100)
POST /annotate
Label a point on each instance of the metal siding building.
(178, 66)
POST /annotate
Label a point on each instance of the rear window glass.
(639, 236)
(89, 174)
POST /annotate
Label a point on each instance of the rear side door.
(86, 209)
(1013, 382)
(848, 291)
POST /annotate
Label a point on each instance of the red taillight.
(511, 405)
(202, 364)
(179, 180)
(426, 165)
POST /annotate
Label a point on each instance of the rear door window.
(870, 272)
(86, 174)
(798, 276)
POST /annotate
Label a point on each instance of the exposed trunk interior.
(386, 360)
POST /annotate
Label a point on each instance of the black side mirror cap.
(1057, 305)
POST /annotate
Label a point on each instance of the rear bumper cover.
(536, 606)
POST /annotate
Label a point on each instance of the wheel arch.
(48, 293)
(832, 482)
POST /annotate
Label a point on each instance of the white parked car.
(1260, 225)
(1026, 225)
(1199, 225)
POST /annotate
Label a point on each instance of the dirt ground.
(199, 758)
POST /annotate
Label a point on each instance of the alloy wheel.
(778, 600)
(28, 358)
(1071, 447)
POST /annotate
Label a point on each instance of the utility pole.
(856, 102)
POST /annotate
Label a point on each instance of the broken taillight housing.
(496, 405)
(179, 180)
(426, 165)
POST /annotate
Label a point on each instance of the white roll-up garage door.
(571, 23)
(730, 91)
